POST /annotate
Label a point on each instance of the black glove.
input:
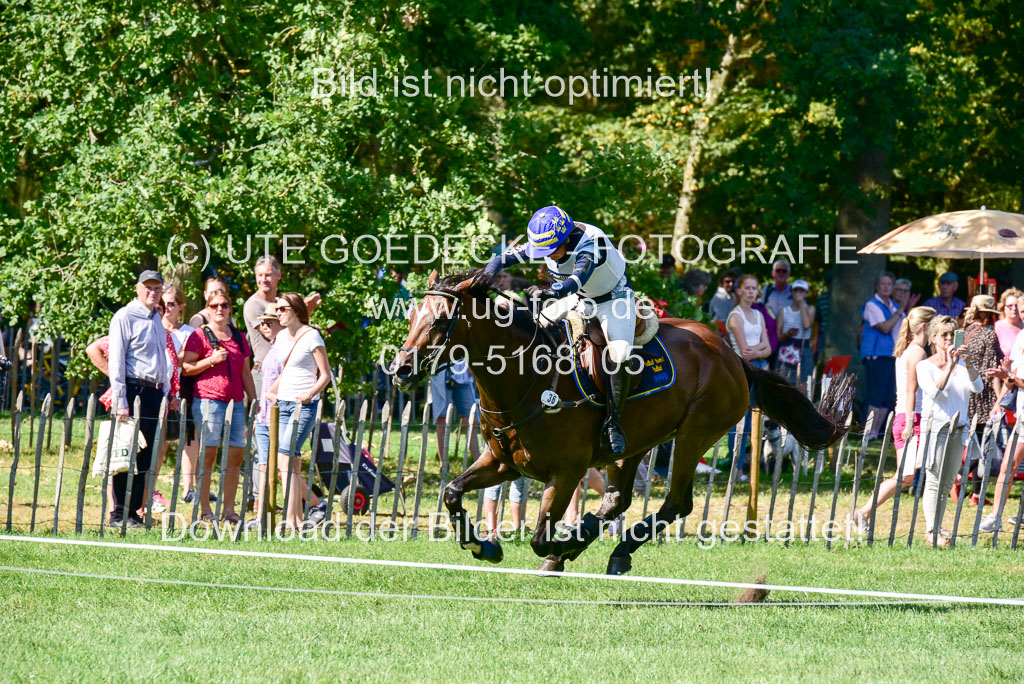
(538, 292)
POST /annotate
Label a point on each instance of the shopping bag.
(120, 451)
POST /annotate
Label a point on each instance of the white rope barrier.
(520, 571)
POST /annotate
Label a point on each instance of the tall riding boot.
(618, 390)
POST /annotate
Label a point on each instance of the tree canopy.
(126, 126)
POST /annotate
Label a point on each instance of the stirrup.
(614, 438)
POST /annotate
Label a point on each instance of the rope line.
(474, 599)
(521, 571)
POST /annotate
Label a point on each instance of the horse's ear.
(433, 278)
(465, 284)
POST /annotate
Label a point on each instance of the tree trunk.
(699, 134)
(867, 217)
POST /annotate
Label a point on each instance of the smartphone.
(958, 339)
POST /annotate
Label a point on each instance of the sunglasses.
(215, 307)
(283, 308)
(947, 335)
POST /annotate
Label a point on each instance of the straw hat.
(986, 303)
(270, 314)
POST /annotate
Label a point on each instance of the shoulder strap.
(294, 344)
(210, 337)
(236, 335)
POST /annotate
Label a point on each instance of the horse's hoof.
(552, 564)
(490, 551)
(619, 565)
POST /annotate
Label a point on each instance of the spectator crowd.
(942, 363)
(956, 364)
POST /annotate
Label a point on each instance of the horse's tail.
(787, 405)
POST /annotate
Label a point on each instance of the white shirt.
(794, 319)
(873, 315)
(751, 331)
(777, 299)
(901, 383)
(609, 272)
(299, 375)
(953, 399)
(180, 335)
(1017, 355)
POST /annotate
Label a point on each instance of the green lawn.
(59, 627)
(73, 629)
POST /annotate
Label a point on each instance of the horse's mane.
(481, 288)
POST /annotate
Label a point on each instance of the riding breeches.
(617, 317)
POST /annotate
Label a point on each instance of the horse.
(506, 348)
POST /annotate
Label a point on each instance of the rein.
(500, 433)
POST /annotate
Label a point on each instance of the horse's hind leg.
(678, 502)
(486, 471)
(617, 498)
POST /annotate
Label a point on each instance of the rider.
(585, 265)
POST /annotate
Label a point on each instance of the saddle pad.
(659, 373)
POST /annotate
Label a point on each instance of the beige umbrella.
(972, 234)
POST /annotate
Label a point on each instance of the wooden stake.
(90, 422)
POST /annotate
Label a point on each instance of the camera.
(5, 364)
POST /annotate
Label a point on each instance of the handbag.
(1009, 400)
(121, 449)
(173, 423)
(790, 354)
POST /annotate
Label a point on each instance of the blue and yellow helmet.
(549, 227)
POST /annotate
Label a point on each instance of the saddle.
(588, 343)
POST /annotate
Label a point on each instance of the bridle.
(434, 355)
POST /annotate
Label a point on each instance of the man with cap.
(946, 304)
(138, 368)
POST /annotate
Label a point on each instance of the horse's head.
(432, 325)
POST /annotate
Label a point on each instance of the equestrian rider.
(590, 276)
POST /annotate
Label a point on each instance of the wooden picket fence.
(362, 419)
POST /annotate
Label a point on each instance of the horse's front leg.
(617, 498)
(554, 501)
(486, 471)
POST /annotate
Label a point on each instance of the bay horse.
(456, 318)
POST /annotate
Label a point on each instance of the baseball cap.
(949, 277)
(800, 285)
(151, 275)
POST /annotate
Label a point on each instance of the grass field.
(61, 627)
(74, 629)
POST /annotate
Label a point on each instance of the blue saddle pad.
(659, 373)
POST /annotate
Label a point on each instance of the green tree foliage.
(125, 126)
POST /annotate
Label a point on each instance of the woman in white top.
(947, 381)
(794, 329)
(906, 426)
(749, 336)
(747, 330)
(304, 374)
